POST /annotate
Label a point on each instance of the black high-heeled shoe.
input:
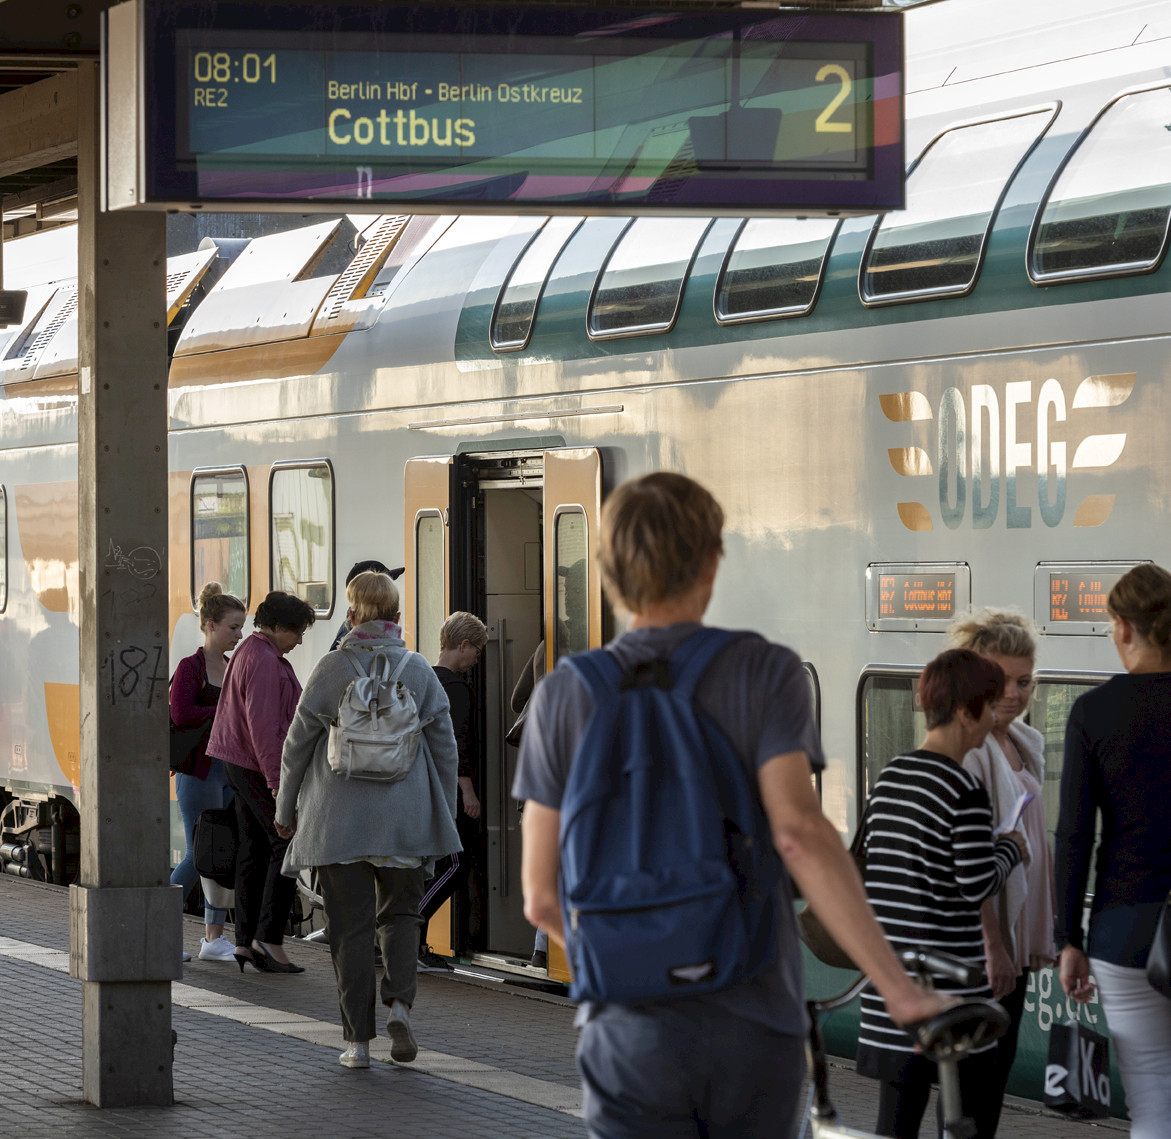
(267, 963)
(242, 960)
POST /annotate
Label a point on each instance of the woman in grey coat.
(373, 844)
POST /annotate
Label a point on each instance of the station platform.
(257, 1054)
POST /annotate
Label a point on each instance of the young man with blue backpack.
(669, 799)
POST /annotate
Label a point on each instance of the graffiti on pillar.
(132, 673)
(142, 561)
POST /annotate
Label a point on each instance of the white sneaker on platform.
(403, 1048)
(356, 1056)
(219, 950)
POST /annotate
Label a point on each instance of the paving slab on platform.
(259, 1053)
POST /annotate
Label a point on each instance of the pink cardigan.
(256, 707)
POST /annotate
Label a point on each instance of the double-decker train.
(964, 402)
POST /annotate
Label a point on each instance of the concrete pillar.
(124, 916)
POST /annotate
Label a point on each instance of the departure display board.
(906, 596)
(1080, 597)
(1070, 598)
(917, 595)
(587, 110)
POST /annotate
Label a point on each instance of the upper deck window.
(935, 246)
(512, 322)
(641, 284)
(1106, 213)
(773, 269)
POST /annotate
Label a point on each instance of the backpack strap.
(691, 659)
(401, 665)
(599, 672)
(353, 662)
(603, 675)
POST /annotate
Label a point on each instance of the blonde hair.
(214, 604)
(460, 627)
(373, 597)
(1142, 597)
(995, 632)
(657, 535)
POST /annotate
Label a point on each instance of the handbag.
(213, 846)
(1077, 1073)
(1159, 962)
(512, 736)
(185, 743)
(816, 937)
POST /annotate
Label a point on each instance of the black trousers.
(458, 873)
(264, 896)
(901, 1103)
(1014, 1005)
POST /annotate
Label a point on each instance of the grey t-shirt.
(758, 694)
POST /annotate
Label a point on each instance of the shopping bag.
(213, 848)
(217, 896)
(1077, 1075)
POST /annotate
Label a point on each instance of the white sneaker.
(184, 956)
(356, 1056)
(403, 1048)
(219, 950)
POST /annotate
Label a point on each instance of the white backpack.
(377, 731)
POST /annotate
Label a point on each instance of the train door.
(512, 537)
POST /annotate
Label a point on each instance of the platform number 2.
(825, 121)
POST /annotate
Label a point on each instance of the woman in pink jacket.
(256, 707)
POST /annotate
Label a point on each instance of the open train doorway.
(510, 535)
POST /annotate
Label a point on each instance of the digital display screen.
(917, 595)
(1081, 596)
(602, 109)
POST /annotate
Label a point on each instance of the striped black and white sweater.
(930, 861)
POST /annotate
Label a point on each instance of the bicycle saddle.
(968, 1025)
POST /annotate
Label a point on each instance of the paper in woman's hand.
(1012, 819)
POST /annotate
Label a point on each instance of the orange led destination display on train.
(1080, 597)
(917, 595)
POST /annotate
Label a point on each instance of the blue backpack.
(667, 864)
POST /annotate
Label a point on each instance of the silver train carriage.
(961, 403)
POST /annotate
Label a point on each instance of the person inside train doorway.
(730, 1062)
(372, 565)
(461, 641)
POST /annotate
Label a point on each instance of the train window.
(516, 308)
(773, 269)
(429, 607)
(300, 504)
(1107, 211)
(3, 549)
(219, 531)
(573, 628)
(935, 246)
(1053, 699)
(641, 284)
(889, 722)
